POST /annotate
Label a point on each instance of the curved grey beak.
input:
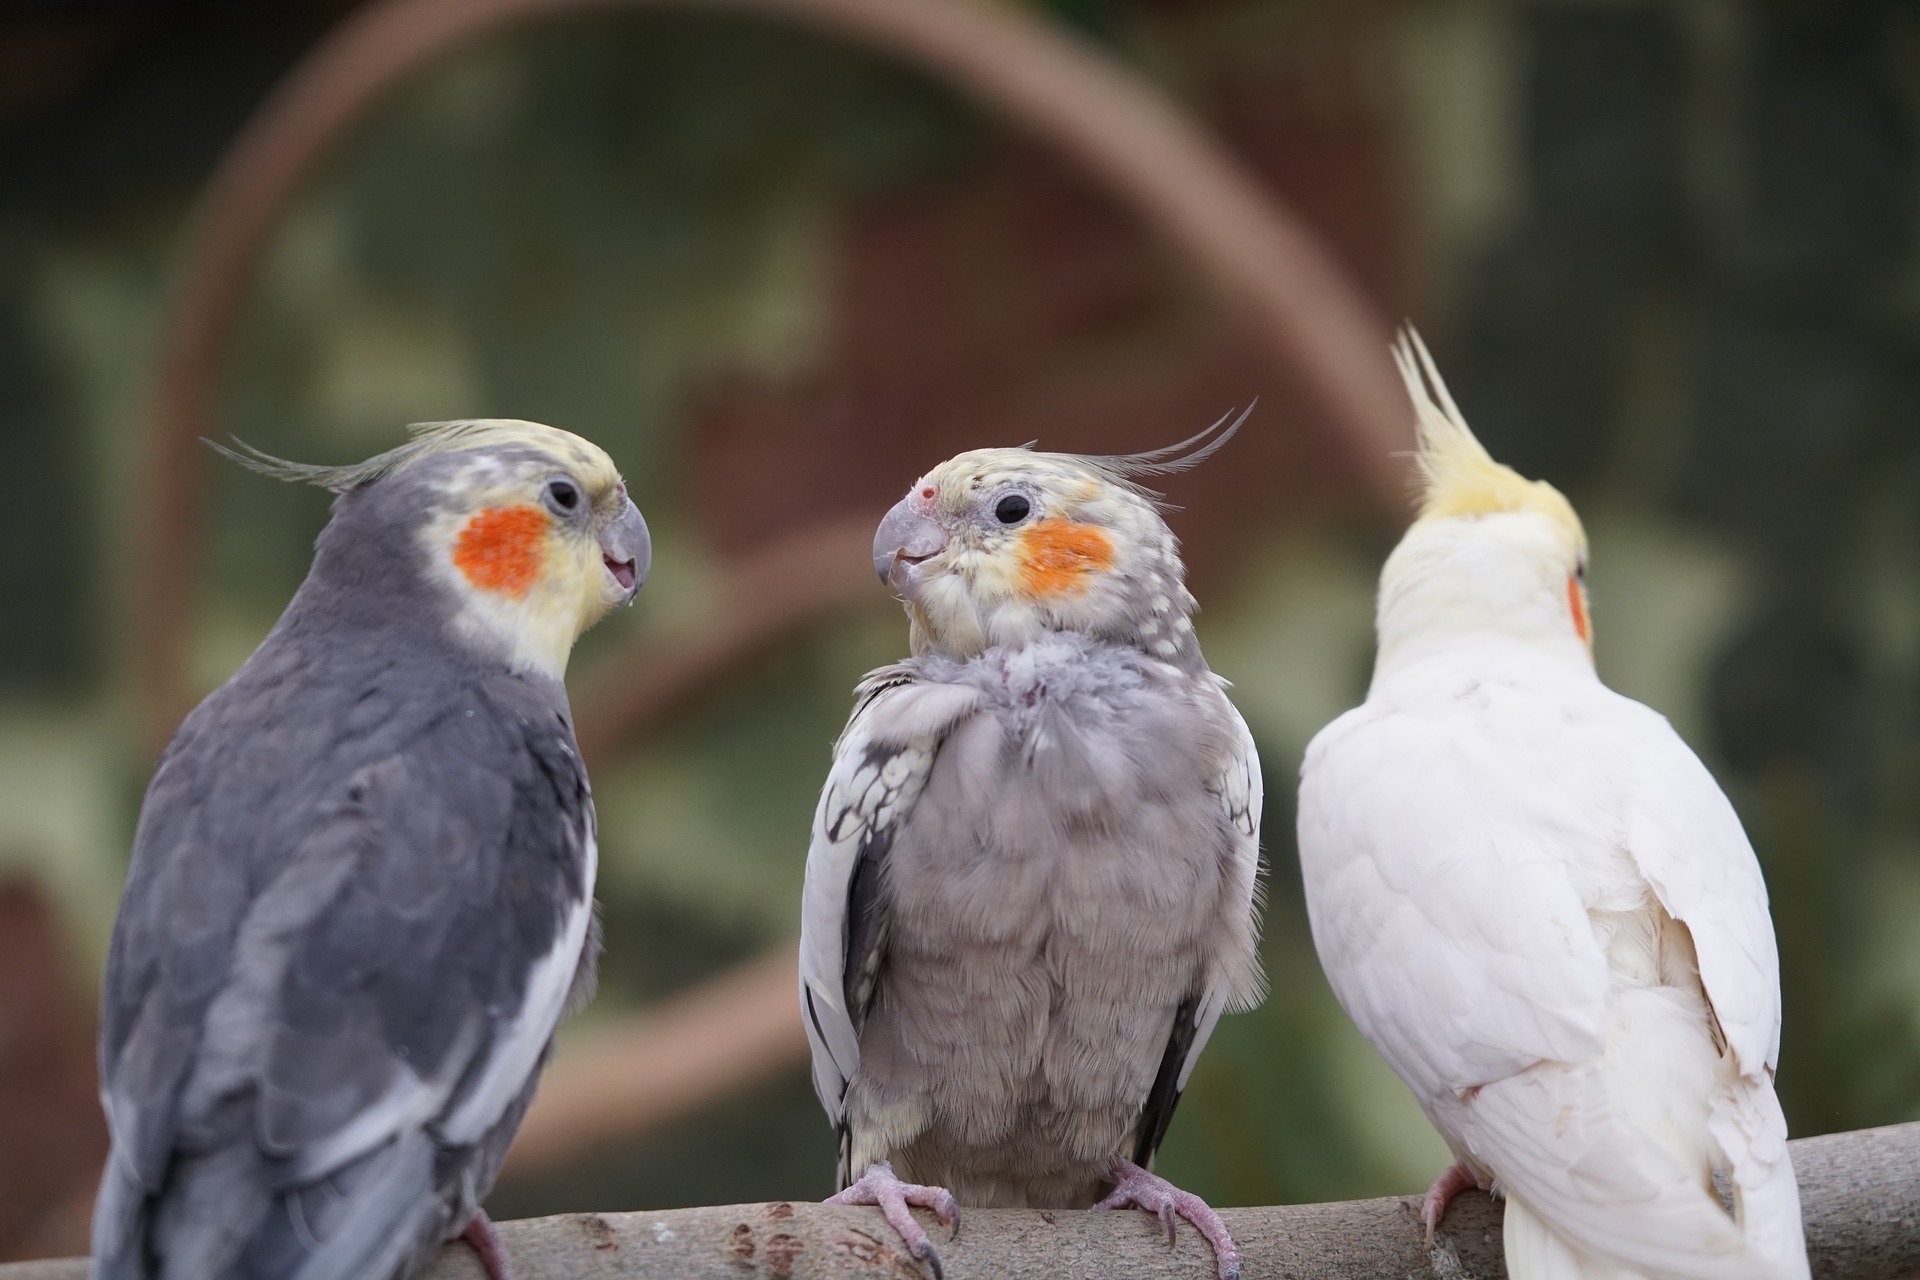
(628, 550)
(904, 539)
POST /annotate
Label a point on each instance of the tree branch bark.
(1860, 1192)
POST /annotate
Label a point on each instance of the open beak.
(904, 540)
(627, 551)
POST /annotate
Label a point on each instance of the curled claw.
(1167, 1219)
(1433, 1205)
(1134, 1187)
(485, 1240)
(880, 1188)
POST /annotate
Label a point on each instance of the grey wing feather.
(880, 764)
(1241, 796)
(274, 1062)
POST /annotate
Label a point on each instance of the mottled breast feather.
(1052, 802)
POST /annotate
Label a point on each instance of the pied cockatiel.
(1031, 888)
(1538, 905)
(361, 893)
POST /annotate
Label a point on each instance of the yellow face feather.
(528, 527)
(527, 574)
(1000, 546)
(1079, 549)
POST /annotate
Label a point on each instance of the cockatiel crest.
(1459, 477)
(996, 546)
(1490, 548)
(517, 521)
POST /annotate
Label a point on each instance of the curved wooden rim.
(1258, 253)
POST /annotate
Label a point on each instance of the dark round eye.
(1012, 509)
(563, 496)
(1580, 569)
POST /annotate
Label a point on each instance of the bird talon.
(1136, 1187)
(882, 1189)
(1433, 1205)
(484, 1239)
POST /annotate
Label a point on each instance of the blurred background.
(1664, 252)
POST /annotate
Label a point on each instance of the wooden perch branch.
(1860, 1191)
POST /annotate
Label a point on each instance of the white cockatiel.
(1539, 906)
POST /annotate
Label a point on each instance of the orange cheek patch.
(1577, 601)
(1055, 556)
(501, 549)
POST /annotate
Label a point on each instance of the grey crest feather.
(427, 438)
(1127, 468)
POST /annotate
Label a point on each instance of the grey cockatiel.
(1031, 887)
(361, 888)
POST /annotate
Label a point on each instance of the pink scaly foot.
(485, 1240)
(1135, 1187)
(878, 1187)
(1456, 1179)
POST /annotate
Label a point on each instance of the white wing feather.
(880, 764)
(1689, 844)
(1454, 833)
(1243, 796)
(1449, 930)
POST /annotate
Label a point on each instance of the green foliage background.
(590, 223)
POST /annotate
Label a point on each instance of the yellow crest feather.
(1458, 476)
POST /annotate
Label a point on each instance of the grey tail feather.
(119, 1227)
(385, 1221)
